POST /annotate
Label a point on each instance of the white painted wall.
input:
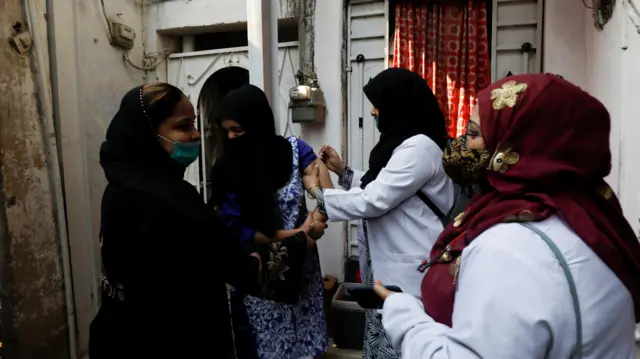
(329, 68)
(596, 61)
(182, 16)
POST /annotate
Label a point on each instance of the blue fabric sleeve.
(229, 213)
(306, 154)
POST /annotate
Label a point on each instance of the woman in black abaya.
(165, 255)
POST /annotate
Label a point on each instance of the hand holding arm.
(412, 164)
(332, 160)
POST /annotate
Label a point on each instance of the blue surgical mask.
(184, 152)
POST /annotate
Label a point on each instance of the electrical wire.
(158, 58)
(106, 19)
(151, 60)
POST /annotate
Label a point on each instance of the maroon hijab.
(550, 141)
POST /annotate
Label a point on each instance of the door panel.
(516, 37)
(367, 41)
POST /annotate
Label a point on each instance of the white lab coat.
(401, 228)
(513, 302)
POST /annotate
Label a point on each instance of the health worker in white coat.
(542, 264)
(399, 227)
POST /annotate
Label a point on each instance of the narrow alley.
(65, 67)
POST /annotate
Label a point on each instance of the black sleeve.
(239, 269)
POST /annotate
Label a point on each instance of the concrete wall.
(194, 16)
(34, 314)
(597, 62)
(329, 66)
(90, 79)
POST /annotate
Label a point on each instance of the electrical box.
(307, 104)
(122, 35)
(22, 41)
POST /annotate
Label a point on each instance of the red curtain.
(448, 46)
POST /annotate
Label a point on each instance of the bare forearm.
(280, 235)
(323, 175)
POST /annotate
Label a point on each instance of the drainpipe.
(51, 138)
(262, 33)
(274, 100)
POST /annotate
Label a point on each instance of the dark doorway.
(213, 90)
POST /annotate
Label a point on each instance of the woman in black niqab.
(257, 163)
(165, 255)
(259, 192)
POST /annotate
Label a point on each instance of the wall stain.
(39, 328)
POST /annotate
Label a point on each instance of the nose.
(231, 135)
(195, 135)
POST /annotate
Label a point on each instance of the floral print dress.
(286, 331)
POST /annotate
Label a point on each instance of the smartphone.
(367, 298)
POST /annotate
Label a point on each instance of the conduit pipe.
(52, 155)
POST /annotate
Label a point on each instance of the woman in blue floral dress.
(259, 194)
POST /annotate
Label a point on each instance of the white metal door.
(189, 72)
(367, 56)
(516, 37)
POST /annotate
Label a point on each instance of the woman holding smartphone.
(542, 263)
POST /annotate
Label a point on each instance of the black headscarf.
(132, 157)
(255, 165)
(407, 107)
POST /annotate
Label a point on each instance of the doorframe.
(203, 159)
(494, 31)
(349, 100)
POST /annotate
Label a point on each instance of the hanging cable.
(151, 61)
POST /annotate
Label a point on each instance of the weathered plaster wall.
(92, 78)
(33, 277)
(613, 75)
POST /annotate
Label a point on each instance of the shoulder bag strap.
(432, 206)
(572, 285)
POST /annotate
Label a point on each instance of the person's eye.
(472, 134)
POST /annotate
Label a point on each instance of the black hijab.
(132, 157)
(255, 165)
(407, 107)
